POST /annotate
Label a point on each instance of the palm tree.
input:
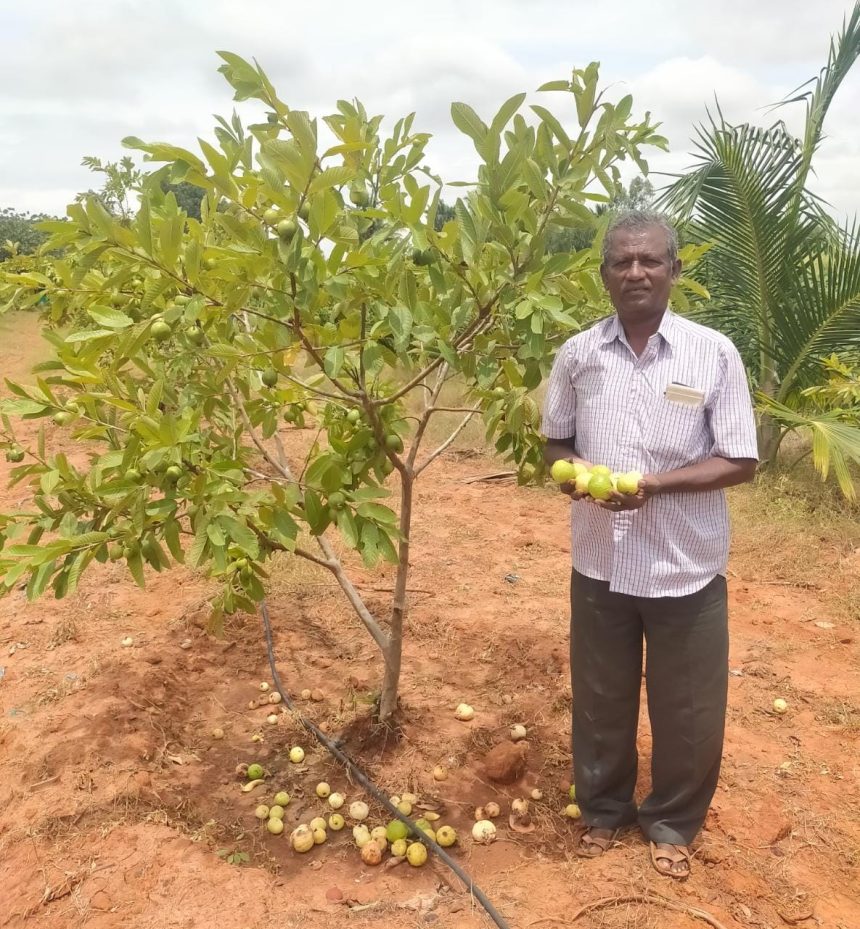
(783, 275)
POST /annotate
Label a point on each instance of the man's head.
(640, 264)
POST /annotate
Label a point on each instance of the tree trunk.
(394, 652)
(767, 430)
(768, 433)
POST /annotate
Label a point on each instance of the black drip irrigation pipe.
(371, 788)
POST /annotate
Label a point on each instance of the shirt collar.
(614, 329)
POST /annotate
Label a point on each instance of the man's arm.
(556, 449)
(711, 474)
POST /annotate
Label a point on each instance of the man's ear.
(676, 269)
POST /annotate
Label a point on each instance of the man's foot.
(671, 860)
(594, 842)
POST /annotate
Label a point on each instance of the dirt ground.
(119, 808)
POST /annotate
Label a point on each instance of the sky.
(75, 78)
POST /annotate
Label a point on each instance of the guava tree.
(313, 295)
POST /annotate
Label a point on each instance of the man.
(646, 390)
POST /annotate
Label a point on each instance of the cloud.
(77, 78)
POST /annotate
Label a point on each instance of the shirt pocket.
(677, 433)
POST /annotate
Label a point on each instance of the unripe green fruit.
(359, 197)
(15, 454)
(63, 418)
(195, 334)
(132, 475)
(115, 551)
(173, 473)
(353, 416)
(287, 228)
(269, 377)
(161, 330)
(394, 443)
(182, 299)
(271, 216)
(305, 211)
(210, 264)
(336, 500)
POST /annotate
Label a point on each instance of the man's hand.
(649, 485)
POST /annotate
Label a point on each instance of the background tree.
(122, 182)
(783, 274)
(315, 291)
(638, 196)
(188, 197)
(19, 232)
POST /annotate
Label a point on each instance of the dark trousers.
(687, 647)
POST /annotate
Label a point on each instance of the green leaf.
(506, 111)
(333, 360)
(135, 566)
(331, 177)
(109, 317)
(171, 537)
(377, 512)
(400, 320)
(468, 121)
(555, 85)
(554, 124)
(239, 533)
(199, 545)
(315, 513)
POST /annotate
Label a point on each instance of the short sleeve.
(559, 409)
(732, 420)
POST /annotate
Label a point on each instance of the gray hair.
(638, 220)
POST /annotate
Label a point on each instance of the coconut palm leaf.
(835, 442)
(821, 316)
(784, 277)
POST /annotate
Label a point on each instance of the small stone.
(506, 762)
(317, 695)
(127, 642)
(185, 643)
(334, 895)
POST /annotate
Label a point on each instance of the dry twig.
(635, 898)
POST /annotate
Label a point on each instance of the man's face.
(637, 272)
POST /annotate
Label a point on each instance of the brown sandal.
(673, 854)
(593, 846)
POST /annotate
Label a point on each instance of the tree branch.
(304, 553)
(332, 562)
(447, 441)
(428, 412)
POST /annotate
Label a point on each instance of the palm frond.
(835, 442)
(821, 314)
(844, 52)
